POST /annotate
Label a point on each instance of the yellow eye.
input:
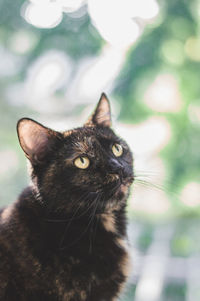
(117, 150)
(82, 162)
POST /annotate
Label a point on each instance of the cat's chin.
(121, 192)
(128, 181)
(122, 189)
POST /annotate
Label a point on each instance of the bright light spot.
(190, 195)
(22, 41)
(115, 20)
(149, 288)
(101, 73)
(47, 74)
(163, 95)
(147, 137)
(43, 14)
(70, 6)
(112, 22)
(173, 52)
(192, 48)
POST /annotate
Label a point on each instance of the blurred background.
(57, 56)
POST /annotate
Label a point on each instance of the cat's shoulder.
(5, 214)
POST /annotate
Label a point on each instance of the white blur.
(190, 195)
(96, 75)
(116, 21)
(43, 14)
(163, 94)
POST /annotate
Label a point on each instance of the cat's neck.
(55, 234)
(113, 218)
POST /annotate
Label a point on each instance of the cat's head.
(81, 166)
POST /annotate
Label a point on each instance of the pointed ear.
(35, 139)
(102, 113)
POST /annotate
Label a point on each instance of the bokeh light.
(163, 95)
(173, 52)
(22, 41)
(192, 48)
(48, 73)
(119, 34)
(44, 14)
(190, 195)
(147, 137)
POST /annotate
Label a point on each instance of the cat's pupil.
(82, 160)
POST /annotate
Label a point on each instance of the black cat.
(64, 239)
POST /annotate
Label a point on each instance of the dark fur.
(61, 240)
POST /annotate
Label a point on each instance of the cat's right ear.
(102, 113)
(35, 139)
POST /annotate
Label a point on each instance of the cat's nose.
(115, 166)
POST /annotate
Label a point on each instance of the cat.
(65, 238)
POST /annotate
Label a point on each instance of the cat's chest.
(88, 273)
(98, 254)
(84, 260)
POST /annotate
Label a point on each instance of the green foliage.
(175, 292)
(145, 239)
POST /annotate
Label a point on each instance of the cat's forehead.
(89, 133)
(87, 139)
(78, 132)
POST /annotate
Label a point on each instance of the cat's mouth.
(119, 180)
(119, 184)
(128, 180)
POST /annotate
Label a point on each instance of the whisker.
(151, 183)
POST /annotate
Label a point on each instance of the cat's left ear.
(36, 140)
(102, 113)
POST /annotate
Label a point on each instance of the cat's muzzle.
(112, 178)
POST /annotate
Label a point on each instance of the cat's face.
(81, 165)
